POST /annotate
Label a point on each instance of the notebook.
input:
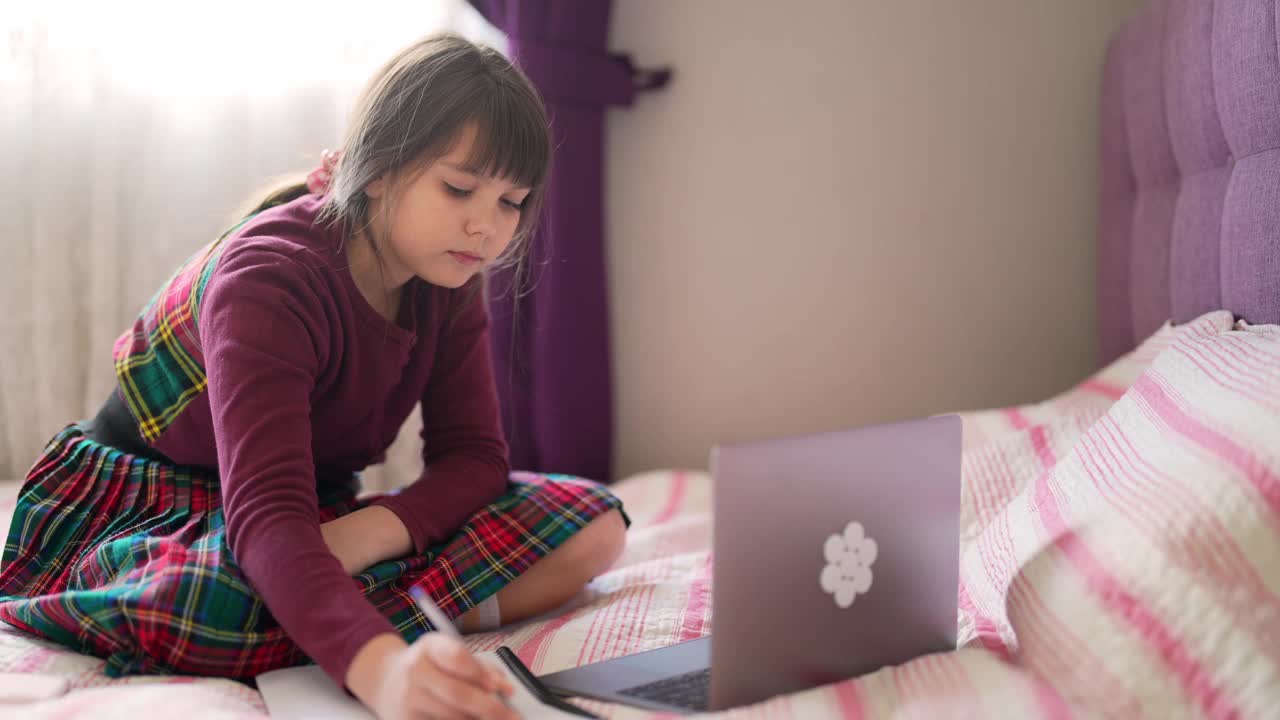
(306, 692)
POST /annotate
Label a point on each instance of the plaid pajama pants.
(126, 558)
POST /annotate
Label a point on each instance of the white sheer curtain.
(129, 136)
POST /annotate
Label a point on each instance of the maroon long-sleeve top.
(306, 384)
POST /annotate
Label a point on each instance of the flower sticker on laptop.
(849, 558)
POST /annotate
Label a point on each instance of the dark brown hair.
(412, 111)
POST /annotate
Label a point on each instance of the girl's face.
(447, 224)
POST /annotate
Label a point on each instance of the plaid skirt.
(126, 558)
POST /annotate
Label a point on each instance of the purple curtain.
(553, 365)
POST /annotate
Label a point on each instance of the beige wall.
(844, 212)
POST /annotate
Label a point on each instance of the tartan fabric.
(126, 558)
(158, 361)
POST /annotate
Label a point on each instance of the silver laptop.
(834, 555)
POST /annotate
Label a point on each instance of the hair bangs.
(511, 141)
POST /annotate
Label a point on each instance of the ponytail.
(284, 190)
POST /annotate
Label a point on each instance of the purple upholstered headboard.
(1189, 219)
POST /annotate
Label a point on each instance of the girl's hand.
(435, 677)
(366, 537)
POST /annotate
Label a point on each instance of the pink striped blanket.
(1120, 557)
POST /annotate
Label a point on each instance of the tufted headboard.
(1189, 214)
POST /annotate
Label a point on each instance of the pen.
(439, 620)
(434, 614)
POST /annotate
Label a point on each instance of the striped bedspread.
(1120, 557)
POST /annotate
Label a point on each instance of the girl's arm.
(463, 450)
(264, 333)
(464, 454)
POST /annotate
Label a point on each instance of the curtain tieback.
(579, 77)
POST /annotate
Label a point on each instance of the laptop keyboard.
(686, 691)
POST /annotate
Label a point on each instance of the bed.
(1120, 541)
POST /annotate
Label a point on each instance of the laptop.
(834, 555)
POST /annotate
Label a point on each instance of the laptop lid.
(835, 554)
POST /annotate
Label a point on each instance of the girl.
(206, 520)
